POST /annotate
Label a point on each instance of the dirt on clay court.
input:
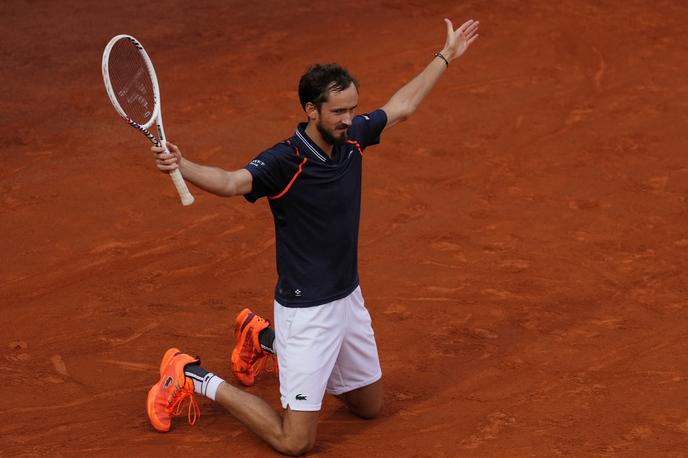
(523, 245)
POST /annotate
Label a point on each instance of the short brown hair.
(316, 84)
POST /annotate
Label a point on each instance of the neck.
(314, 134)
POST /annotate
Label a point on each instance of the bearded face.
(334, 116)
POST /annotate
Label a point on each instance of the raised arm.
(405, 101)
(212, 179)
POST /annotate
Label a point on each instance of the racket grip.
(182, 189)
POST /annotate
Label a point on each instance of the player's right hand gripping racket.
(132, 86)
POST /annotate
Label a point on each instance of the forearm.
(407, 99)
(212, 179)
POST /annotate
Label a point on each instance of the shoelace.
(194, 412)
(257, 357)
(261, 363)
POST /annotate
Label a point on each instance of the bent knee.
(369, 414)
(296, 446)
(298, 432)
(368, 411)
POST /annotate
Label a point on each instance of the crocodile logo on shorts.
(301, 397)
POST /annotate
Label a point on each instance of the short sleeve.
(271, 171)
(366, 128)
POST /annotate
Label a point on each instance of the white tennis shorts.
(327, 347)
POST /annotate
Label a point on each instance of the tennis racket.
(132, 86)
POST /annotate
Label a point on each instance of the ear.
(311, 111)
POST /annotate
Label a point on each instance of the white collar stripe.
(310, 147)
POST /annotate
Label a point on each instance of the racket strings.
(131, 81)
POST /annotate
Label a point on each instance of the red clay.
(524, 236)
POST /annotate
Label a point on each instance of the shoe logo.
(168, 382)
(298, 293)
(301, 397)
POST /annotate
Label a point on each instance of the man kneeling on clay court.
(323, 339)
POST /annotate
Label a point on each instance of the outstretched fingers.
(460, 39)
(468, 33)
(469, 29)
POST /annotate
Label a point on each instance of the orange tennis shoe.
(165, 398)
(248, 357)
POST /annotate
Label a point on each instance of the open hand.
(459, 40)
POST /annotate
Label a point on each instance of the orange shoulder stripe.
(293, 179)
(354, 142)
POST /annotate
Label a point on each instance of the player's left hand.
(459, 40)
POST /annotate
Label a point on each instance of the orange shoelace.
(262, 364)
(194, 413)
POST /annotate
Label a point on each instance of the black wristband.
(446, 62)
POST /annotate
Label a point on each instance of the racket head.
(131, 82)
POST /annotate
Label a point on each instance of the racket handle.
(180, 184)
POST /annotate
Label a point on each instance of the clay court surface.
(523, 246)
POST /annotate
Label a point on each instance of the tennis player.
(322, 334)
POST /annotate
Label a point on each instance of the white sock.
(209, 386)
(205, 383)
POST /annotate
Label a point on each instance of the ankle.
(266, 338)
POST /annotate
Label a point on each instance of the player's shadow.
(337, 424)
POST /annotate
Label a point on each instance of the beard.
(329, 136)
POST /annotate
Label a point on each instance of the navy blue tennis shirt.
(316, 206)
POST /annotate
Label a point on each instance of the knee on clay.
(368, 411)
(296, 445)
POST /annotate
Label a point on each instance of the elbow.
(231, 187)
(406, 111)
(229, 191)
(404, 116)
(399, 109)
